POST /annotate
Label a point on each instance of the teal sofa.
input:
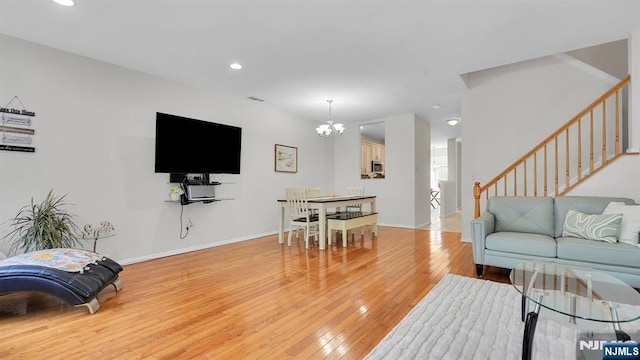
(517, 228)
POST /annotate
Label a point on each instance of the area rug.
(465, 318)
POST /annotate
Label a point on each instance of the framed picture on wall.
(286, 158)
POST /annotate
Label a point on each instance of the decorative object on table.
(286, 158)
(105, 230)
(175, 192)
(16, 121)
(329, 128)
(46, 225)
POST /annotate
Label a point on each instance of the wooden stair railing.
(558, 161)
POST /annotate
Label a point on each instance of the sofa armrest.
(480, 228)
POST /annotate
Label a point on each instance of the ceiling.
(374, 58)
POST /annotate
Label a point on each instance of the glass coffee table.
(573, 291)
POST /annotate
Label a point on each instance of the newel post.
(476, 197)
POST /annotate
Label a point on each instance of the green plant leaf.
(46, 225)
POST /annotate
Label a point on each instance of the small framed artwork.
(286, 158)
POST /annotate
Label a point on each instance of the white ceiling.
(375, 58)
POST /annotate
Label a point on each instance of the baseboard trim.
(226, 242)
(193, 248)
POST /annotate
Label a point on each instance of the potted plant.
(46, 225)
(175, 193)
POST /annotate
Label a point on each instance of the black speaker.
(177, 177)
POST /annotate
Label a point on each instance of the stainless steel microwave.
(377, 166)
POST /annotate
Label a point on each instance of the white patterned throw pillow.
(594, 227)
(630, 221)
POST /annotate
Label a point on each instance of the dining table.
(322, 204)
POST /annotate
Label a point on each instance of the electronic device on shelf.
(189, 146)
(200, 192)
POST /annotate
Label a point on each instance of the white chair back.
(355, 191)
(297, 201)
(313, 191)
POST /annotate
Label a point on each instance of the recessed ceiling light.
(436, 106)
(235, 66)
(65, 2)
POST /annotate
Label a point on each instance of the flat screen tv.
(185, 145)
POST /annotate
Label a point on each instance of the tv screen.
(185, 145)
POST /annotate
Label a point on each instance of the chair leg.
(306, 237)
(290, 233)
(316, 235)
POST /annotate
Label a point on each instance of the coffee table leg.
(620, 334)
(524, 306)
(530, 328)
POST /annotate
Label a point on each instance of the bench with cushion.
(72, 275)
(344, 221)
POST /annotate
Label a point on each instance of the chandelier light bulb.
(330, 127)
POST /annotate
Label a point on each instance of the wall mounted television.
(185, 145)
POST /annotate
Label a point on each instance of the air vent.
(255, 98)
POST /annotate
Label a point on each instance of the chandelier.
(330, 127)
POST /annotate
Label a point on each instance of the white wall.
(422, 183)
(399, 203)
(95, 129)
(459, 175)
(509, 110)
(634, 92)
(620, 178)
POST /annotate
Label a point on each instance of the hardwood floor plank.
(252, 300)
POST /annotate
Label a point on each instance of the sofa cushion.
(583, 204)
(522, 243)
(619, 254)
(630, 221)
(593, 227)
(522, 214)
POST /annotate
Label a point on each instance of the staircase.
(587, 143)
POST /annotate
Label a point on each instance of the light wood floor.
(251, 300)
(452, 223)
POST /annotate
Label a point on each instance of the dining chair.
(356, 191)
(435, 198)
(300, 215)
(313, 191)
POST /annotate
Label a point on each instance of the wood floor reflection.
(251, 300)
